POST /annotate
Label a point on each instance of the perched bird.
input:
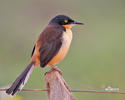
(50, 48)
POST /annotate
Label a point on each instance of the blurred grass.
(97, 55)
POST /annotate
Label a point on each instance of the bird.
(51, 47)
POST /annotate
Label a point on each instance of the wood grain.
(57, 87)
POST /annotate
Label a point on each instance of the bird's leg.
(56, 69)
(53, 67)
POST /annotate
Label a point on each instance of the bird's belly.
(67, 38)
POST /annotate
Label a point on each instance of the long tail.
(21, 80)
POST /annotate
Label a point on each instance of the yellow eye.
(66, 21)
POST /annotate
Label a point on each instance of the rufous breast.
(66, 41)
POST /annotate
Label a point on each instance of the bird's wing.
(50, 45)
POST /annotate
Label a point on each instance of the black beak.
(77, 22)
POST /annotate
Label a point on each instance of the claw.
(57, 69)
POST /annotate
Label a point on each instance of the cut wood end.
(57, 87)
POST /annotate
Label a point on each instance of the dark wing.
(33, 51)
(50, 44)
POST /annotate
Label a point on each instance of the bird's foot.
(56, 69)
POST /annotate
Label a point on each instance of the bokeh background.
(96, 59)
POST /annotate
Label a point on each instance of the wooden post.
(57, 87)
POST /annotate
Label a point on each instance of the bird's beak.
(77, 22)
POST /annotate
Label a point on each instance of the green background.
(96, 58)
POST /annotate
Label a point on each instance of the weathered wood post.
(57, 87)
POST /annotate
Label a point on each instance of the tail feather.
(21, 80)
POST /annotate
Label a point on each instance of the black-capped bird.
(50, 48)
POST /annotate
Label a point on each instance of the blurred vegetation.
(97, 56)
(15, 98)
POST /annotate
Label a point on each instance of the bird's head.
(64, 21)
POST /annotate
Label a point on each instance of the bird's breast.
(66, 41)
(67, 38)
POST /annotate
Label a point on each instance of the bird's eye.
(66, 21)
